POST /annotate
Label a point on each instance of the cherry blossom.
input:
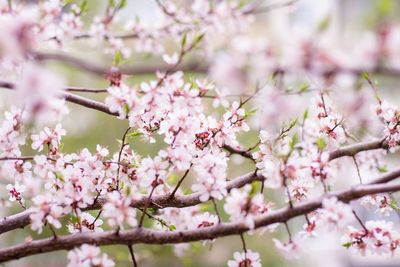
(125, 213)
(49, 137)
(15, 192)
(378, 237)
(241, 206)
(289, 250)
(45, 212)
(336, 214)
(88, 256)
(248, 258)
(389, 115)
(86, 222)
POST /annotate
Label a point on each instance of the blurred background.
(348, 21)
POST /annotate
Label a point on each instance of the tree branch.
(22, 219)
(145, 236)
(99, 70)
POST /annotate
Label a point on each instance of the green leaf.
(250, 113)
(304, 87)
(321, 143)
(347, 245)
(382, 169)
(365, 76)
(84, 7)
(183, 41)
(74, 219)
(134, 134)
(385, 6)
(305, 114)
(292, 123)
(128, 190)
(172, 227)
(393, 204)
(111, 3)
(122, 4)
(198, 39)
(293, 141)
(254, 189)
(117, 58)
(59, 176)
(324, 24)
(126, 108)
(172, 178)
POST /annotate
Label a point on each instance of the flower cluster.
(240, 205)
(88, 256)
(389, 114)
(378, 237)
(335, 214)
(248, 258)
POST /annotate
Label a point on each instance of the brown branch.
(145, 236)
(92, 104)
(128, 70)
(352, 150)
(194, 66)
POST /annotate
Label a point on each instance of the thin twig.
(132, 255)
(358, 169)
(216, 210)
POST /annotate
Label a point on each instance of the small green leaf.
(305, 114)
(172, 227)
(292, 123)
(324, 24)
(59, 176)
(347, 245)
(385, 6)
(198, 39)
(74, 219)
(126, 108)
(84, 7)
(111, 3)
(293, 141)
(365, 76)
(122, 4)
(254, 189)
(184, 39)
(321, 143)
(117, 58)
(304, 87)
(393, 204)
(128, 190)
(382, 169)
(250, 113)
(134, 134)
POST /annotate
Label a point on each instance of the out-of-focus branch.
(145, 236)
(193, 66)
(79, 100)
(100, 70)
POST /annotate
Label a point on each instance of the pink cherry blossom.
(88, 256)
(248, 258)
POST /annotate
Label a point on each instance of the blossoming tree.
(217, 78)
